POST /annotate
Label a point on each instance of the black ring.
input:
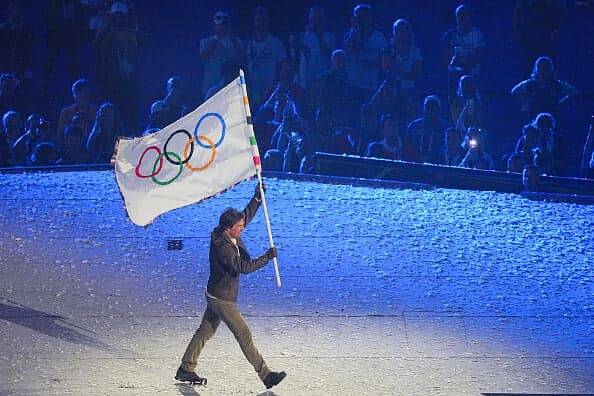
(174, 162)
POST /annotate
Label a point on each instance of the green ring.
(181, 167)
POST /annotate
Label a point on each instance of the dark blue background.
(170, 32)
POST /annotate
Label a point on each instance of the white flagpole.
(267, 219)
(257, 163)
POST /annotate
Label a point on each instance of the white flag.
(200, 155)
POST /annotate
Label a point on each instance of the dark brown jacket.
(226, 263)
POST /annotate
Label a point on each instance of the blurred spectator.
(476, 156)
(336, 108)
(12, 124)
(590, 172)
(402, 59)
(285, 85)
(177, 98)
(528, 143)
(66, 32)
(367, 130)
(264, 52)
(452, 152)
(587, 165)
(389, 96)
(82, 107)
(291, 142)
(338, 142)
(10, 95)
(267, 119)
(217, 49)
(157, 118)
(542, 92)
(229, 72)
(536, 25)
(531, 177)
(363, 44)
(4, 149)
(313, 47)
(270, 115)
(515, 163)
(16, 44)
(74, 151)
(301, 146)
(117, 46)
(45, 154)
(466, 106)
(462, 46)
(390, 145)
(551, 153)
(427, 133)
(37, 130)
(107, 129)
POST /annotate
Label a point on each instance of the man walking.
(229, 258)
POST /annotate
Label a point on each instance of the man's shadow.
(189, 390)
(51, 325)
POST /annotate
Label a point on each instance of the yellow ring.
(212, 156)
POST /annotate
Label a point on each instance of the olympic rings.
(187, 157)
(212, 155)
(160, 158)
(155, 172)
(223, 129)
(175, 159)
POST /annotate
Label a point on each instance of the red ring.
(155, 173)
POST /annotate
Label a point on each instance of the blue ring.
(217, 144)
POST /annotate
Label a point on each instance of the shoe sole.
(201, 382)
(280, 378)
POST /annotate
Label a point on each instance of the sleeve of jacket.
(242, 263)
(250, 210)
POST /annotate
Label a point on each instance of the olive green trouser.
(217, 310)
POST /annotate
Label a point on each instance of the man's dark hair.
(228, 218)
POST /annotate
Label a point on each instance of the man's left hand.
(257, 193)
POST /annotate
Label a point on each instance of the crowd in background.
(354, 93)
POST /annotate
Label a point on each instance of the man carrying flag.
(200, 155)
(229, 258)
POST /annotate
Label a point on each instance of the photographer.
(38, 131)
(466, 106)
(476, 157)
(551, 153)
(293, 141)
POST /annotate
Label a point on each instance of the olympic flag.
(200, 155)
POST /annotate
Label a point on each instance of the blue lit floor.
(385, 292)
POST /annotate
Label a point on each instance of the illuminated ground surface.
(385, 292)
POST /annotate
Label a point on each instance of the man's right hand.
(271, 253)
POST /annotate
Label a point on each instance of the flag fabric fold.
(200, 155)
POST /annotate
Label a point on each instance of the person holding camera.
(228, 259)
(466, 106)
(476, 157)
(38, 131)
(292, 141)
(551, 155)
